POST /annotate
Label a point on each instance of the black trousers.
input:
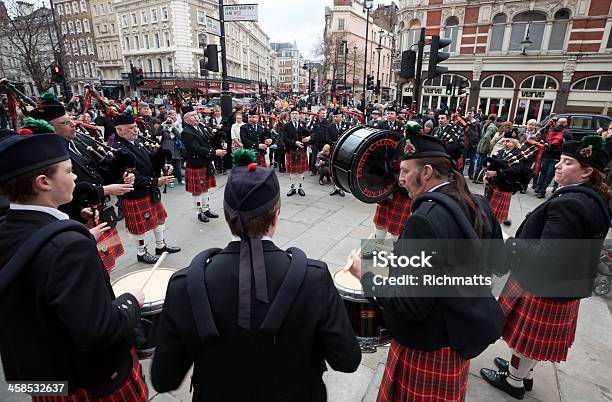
(280, 158)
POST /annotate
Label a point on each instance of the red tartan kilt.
(261, 159)
(415, 375)
(197, 182)
(500, 204)
(134, 389)
(142, 215)
(296, 167)
(110, 248)
(394, 215)
(539, 328)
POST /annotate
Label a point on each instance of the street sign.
(241, 12)
(213, 26)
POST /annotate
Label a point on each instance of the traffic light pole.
(365, 63)
(417, 79)
(226, 98)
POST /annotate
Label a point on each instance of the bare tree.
(330, 48)
(29, 37)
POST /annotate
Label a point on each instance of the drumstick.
(157, 264)
(353, 254)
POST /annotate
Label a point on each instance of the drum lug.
(367, 345)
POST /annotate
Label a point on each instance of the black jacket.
(510, 178)
(291, 135)
(242, 365)
(564, 267)
(251, 138)
(466, 324)
(333, 134)
(387, 125)
(474, 133)
(319, 132)
(199, 150)
(60, 318)
(454, 147)
(145, 174)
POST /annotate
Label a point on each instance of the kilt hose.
(415, 375)
(110, 248)
(298, 166)
(197, 180)
(500, 204)
(142, 215)
(394, 214)
(539, 328)
(261, 159)
(134, 389)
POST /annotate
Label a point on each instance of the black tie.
(338, 127)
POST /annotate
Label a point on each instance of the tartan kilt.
(296, 167)
(197, 182)
(110, 248)
(261, 159)
(394, 214)
(415, 375)
(134, 389)
(142, 215)
(539, 328)
(500, 204)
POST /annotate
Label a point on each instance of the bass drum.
(365, 162)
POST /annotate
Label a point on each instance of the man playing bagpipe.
(319, 138)
(143, 208)
(254, 136)
(219, 140)
(296, 138)
(392, 122)
(451, 135)
(199, 156)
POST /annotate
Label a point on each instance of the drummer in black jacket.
(60, 318)
(435, 333)
(257, 323)
(319, 134)
(254, 136)
(554, 260)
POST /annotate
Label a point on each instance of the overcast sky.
(299, 20)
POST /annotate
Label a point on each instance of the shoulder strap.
(30, 248)
(196, 290)
(287, 293)
(452, 207)
(589, 192)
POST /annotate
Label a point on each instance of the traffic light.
(139, 77)
(449, 89)
(463, 88)
(211, 58)
(370, 83)
(377, 86)
(435, 56)
(311, 87)
(57, 74)
(408, 62)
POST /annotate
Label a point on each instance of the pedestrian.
(236, 143)
(551, 156)
(296, 138)
(473, 135)
(549, 275)
(256, 322)
(279, 129)
(323, 164)
(484, 146)
(171, 141)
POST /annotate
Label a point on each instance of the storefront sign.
(407, 90)
(533, 94)
(432, 91)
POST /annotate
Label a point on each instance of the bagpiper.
(254, 136)
(296, 139)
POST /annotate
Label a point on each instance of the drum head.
(348, 285)
(366, 162)
(155, 291)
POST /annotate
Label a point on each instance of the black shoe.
(503, 365)
(334, 192)
(328, 179)
(301, 191)
(540, 195)
(499, 381)
(168, 249)
(292, 191)
(210, 214)
(202, 217)
(147, 258)
(341, 193)
(507, 222)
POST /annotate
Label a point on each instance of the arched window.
(70, 27)
(75, 48)
(539, 82)
(79, 69)
(75, 7)
(602, 83)
(411, 36)
(528, 25)
(451, 30)
(82, 46)
(497, 81)
(559, 30)
(90, 48)
(498, 30)
(67, 9)
(79, 26)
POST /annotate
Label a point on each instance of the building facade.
(345, 35)
(292, 77)
(522, 59)
(105, 26)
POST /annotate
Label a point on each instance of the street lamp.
(345, 44)
(307, 66)
(367, 5)
(378, 49)
(354, 71)
(525, 43)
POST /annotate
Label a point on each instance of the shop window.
(528, 25)
(539, 82)
(451, 31)
(559, 30)
(599, 83)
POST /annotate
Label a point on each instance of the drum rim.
(148, 308)
(346, 292)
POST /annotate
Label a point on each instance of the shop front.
(441, 92)
(496, 94)
(536, 99)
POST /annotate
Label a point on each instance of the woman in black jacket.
(554, 261)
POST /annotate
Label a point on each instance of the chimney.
(24, 8)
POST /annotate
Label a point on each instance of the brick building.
(522, 59)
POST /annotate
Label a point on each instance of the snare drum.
(150, 312)
(366, 317)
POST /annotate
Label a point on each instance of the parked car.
(581, 124)
(217, 102)
(248, 102)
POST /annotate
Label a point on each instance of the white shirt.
(236, 131)
(437, 187)
(237, 238)
(59, 215)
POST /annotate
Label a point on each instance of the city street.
(328, 228)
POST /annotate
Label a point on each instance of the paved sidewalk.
(329, 228)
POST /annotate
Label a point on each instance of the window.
(102, 9)
(145, 41)
(164, 14)
(497, 81)
(170, 66)
(143, 16)
(82, 46)
(609, 45)
(113, 28)
(75, 7)
(451, 31)
(581, 122)
(527, 25)
(104, 28)
(411, 36)
(601, 83)
(71, 68)
(340, 24)
(79, 69)
(136, 42)
(124, 21)
(90, 48)
(134, 19)
(202, 40)
(126, 43)
(167, 39)
(160, 64)
(201, 17)
(67, 9)
(559, 30)
(150, 65)
(94, 10)
(156, 37)
(154, 15)
(83, 6)
(70, 27)
(75, 48)
(93, 68)
(539, 82)
(64, 28)
(60, 10)
(498, 30)
(79, 26)
(86, 26)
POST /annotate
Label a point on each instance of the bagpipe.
(90, 93)
(15, 99)
(88, 196)
(451, 135)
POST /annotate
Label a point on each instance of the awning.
(250, 91)
(211, 90)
